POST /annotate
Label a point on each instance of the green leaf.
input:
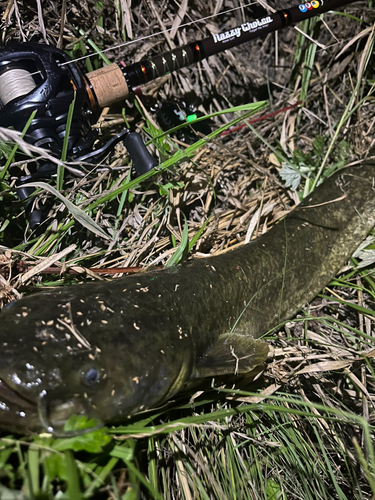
(164, 188)
(198, 234)
(54, 466)
(274, 490)
(14, 150)
(122, 452)
(64, 152)
(76, 212)
(177, 256)
(92, 442)
(291, 176)
(74, 489)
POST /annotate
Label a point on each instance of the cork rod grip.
(108, 84)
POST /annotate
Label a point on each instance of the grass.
(286, 446)
(305, 428)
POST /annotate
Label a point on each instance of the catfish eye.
(91, 377)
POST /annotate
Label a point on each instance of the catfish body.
(111, 349)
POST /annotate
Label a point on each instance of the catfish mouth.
(9, 397)
(20, 414)
(17, 413)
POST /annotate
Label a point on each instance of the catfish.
(111, 349)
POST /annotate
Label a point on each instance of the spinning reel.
(41, 78)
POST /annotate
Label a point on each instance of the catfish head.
(83, 359)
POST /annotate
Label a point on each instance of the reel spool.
(15, 83)
(40, 77)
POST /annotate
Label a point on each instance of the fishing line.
(130, 42)
(15, 83)
(190, 23)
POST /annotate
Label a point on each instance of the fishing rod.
(127, 78)
(41, 79)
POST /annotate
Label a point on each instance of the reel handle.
(143, 161)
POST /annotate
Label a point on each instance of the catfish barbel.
(109, 350)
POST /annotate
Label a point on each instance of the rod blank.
(149, 69)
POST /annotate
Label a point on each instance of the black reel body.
(42, 78)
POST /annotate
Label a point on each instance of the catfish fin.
(231, 354)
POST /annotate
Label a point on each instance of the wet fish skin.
(111, 349)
